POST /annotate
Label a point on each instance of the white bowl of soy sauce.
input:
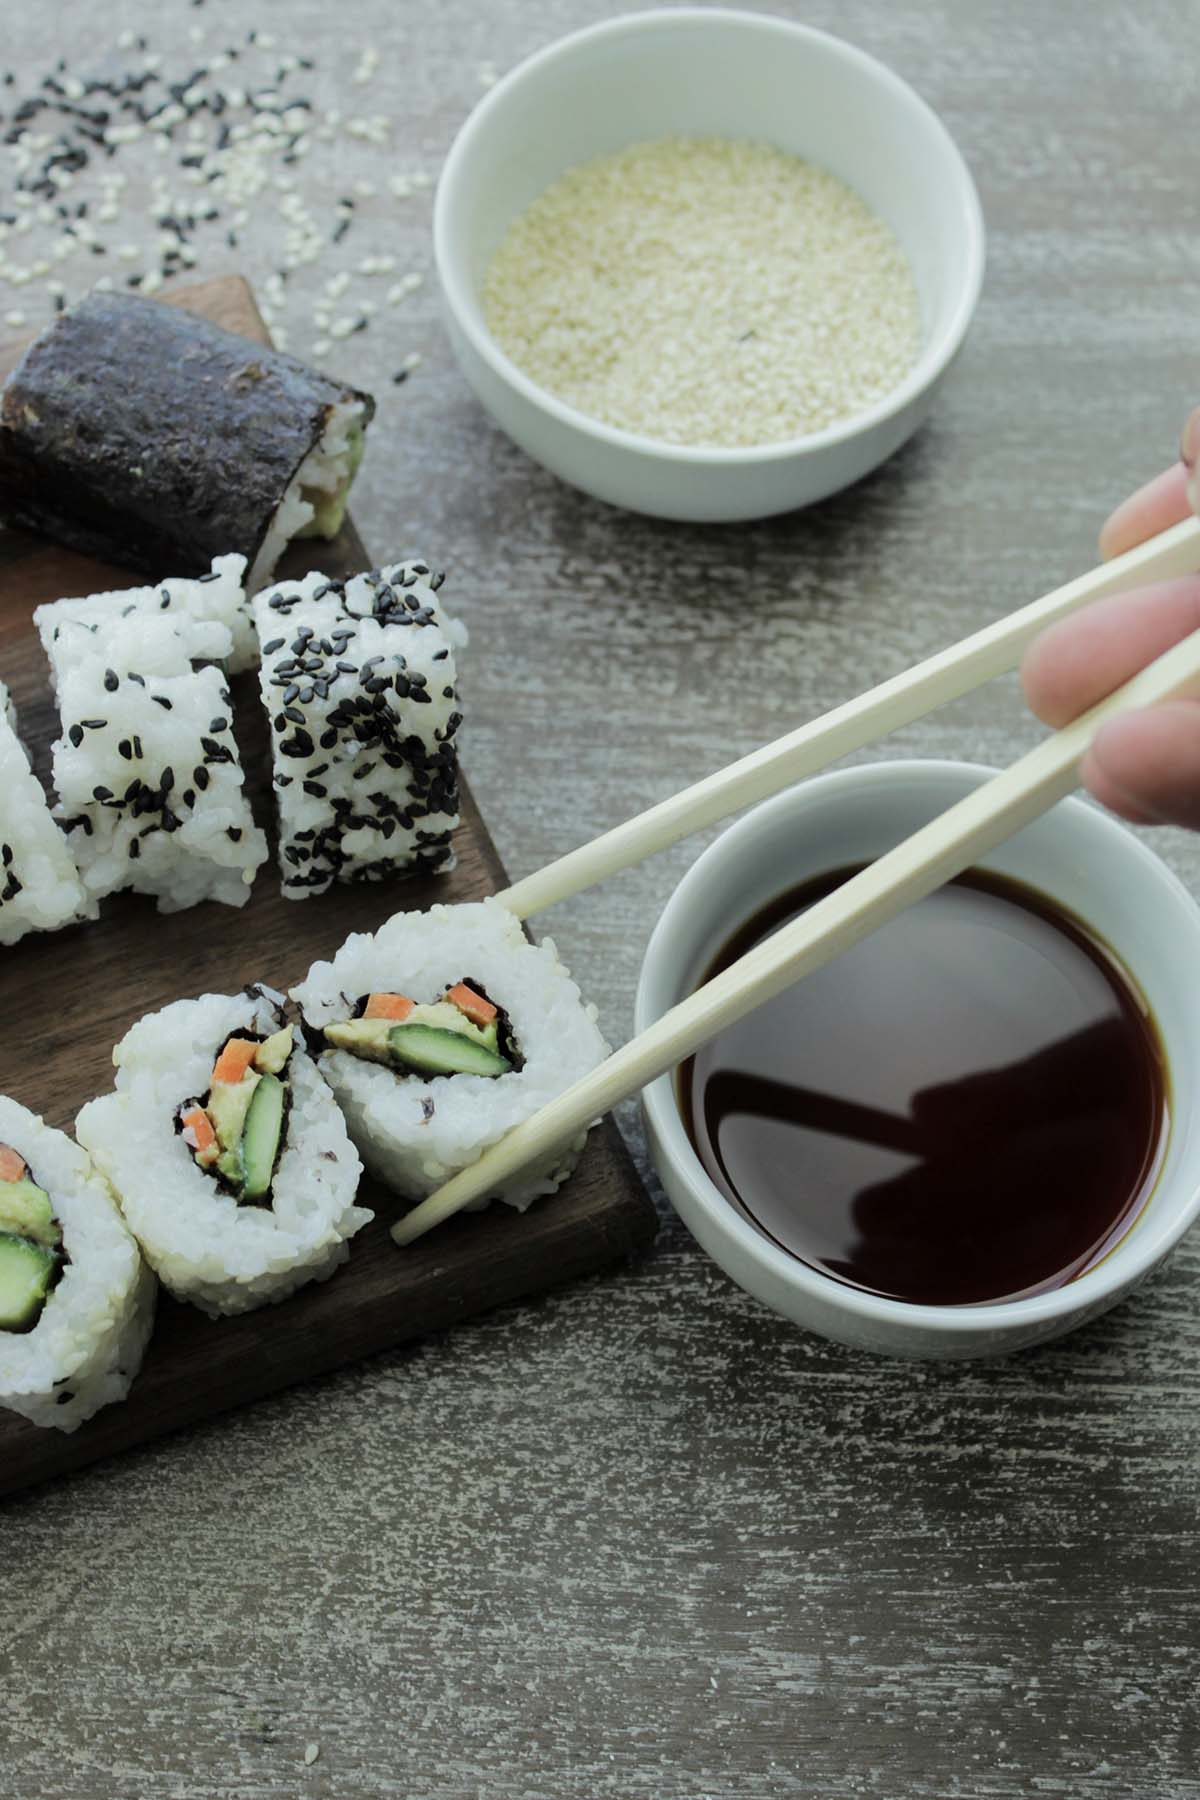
(969, 1133)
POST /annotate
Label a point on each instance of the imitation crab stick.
(471, 1004)
(234, 1060)
(387, 1006)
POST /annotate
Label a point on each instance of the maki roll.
(359, 680)
(141, 433)
(442, 1031)
(40, 887)
(147, 768)
(216, 597)
(76, 1299)
(227, 1152)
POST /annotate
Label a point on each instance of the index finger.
(1159, 504)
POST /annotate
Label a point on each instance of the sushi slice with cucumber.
(443, 1030)
(227, 1152)
(76, 1299)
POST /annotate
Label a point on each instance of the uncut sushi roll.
(150, 788)
(40, 887)
(360, 682)
(76, 1299)
(216, 597)
(227, 1152)
(144, 434)
(442, 1031)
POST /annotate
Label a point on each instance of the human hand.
(1144, 765)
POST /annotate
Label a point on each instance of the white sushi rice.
(40, 887)
(149, 779)
(87, 1344)
(217, 598)
(413, 1132)
(222, 1256)
(315, 502)
(359, 679)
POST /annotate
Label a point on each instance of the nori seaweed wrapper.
(144, 434)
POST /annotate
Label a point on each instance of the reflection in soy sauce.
(968, 1106)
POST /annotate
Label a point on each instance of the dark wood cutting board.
(70, 995)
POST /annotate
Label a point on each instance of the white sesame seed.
(411, 361)
(311, 1751)
(15, 318)
(321, 347)
(705, 291)
(341, 328)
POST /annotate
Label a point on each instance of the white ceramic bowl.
(726, 74)
(1076, 855)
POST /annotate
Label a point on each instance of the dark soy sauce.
(968, 1106)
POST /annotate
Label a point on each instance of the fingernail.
(1189, 442)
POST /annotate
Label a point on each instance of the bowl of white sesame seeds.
(704, 264)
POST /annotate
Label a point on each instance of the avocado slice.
(260, 1140)
(25, 1211)
(459, 1047)
(367, 1038)
(433, 1050)
(228, 1104)
(230, 1165)
(26, 1271)
(273, 1052)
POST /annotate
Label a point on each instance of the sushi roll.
(147, 769)
(359, 681)
(227, 1152)
(144, 434)
(40, 887)
(216, 597)
(442, 1031)
(76, 1299)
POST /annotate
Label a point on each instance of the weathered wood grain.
(77, 992)
(642, 1541)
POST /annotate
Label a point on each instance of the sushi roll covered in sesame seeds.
(215, 598)
(145, 434)
(147, 769)
(443, 1030)
(359, 681)
(227, 1152)
(76, 1299)
(40, 887)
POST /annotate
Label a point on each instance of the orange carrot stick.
(388, 1006)
(12, 1166)
(199, 1124)
(473, 1005)
(234, 1060)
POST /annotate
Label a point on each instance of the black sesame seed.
(315, 789)
(161, 700)
(76, 735)
(275, 644)
(200, 776)
(234, 833)
(112, 681)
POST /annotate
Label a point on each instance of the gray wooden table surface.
(642, 1539)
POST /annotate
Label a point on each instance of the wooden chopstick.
(896, 702)
(933, 855)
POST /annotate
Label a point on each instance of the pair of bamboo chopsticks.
(923, 862)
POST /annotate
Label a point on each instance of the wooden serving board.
(70, 995)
